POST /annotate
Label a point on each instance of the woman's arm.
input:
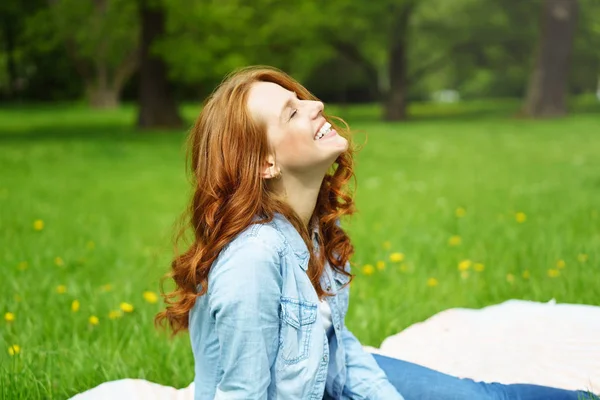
(364, 379)
(244, 299)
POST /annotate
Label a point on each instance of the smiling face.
(292, 126)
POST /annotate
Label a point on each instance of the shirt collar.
(294, 239)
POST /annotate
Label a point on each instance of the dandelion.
(403, 268)
(454, 240)
(431, 282)
(106, 288)
(582, 258)
(520, 217)
(90, 245)
(526, 274)
(94, 320)
(380, 265)
(150, 297)
(387, 245)
(560, 264)
(75, 305)
(38, 225)
(396, 257)
(368, 269)
(9, 317)
(17, 298)
(479, 267)
(114, 314)
(126, 307)
(510, 278)
(460, 212)
(23, 265)
(59, 262)
(464, 274)
(61, 289)
(464, 265)
(14, 349)
(553, 273)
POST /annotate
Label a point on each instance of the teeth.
(323, 131)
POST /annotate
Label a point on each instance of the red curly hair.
(227, 148)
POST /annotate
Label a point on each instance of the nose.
(317, 109)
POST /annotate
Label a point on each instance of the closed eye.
(293, 113)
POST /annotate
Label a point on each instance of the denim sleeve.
(364, 379)
(244, 300)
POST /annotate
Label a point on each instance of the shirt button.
(325, 358)
(338, 327)
(328, 288)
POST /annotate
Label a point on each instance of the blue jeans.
(416, 382)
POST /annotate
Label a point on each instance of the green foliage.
(108, 197)
(99, 32)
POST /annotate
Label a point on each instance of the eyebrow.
(287, 104)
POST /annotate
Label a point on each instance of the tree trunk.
(102, 97)
(547, 90)
(396, 101)
(157, 106)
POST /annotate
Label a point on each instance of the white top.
(325, 312)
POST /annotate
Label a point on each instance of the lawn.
(464, 206)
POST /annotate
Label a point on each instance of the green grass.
(108, 197)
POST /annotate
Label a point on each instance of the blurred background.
(478, 178)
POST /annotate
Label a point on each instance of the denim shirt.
(257, 334)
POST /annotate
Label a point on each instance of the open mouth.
(325, 129)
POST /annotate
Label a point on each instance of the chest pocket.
(297, 320)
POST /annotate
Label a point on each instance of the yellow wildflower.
(396, 257)
(60, 289)
(14, 349)
(59, 262)
(114, 314)
(582, 258)
(23, 265)
(90, 245)
(106, 288)
(526, 274)
(380, 265)
(520, 217)
(17, 298)
(460, 212)
(94, 320)
(560, 264)
(510, 278)
(368, 269)
(454, 240)
(387, 245)
(464, 265)
(126, 307)
(403, 268)
(464, 274)
(478, 267)
(150, 297)
(431, 282)
(9, 317)
(75, 305)
(553, 273)
(38, 225)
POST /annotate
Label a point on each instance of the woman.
(263, 288)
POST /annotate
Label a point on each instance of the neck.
(301, 193)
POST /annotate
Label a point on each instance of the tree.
(547, 90)
(157, 106)
(101, 38)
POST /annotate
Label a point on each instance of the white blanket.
(513, 342)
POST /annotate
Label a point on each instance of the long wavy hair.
(227, 149)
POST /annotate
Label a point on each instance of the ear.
(268, 168)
